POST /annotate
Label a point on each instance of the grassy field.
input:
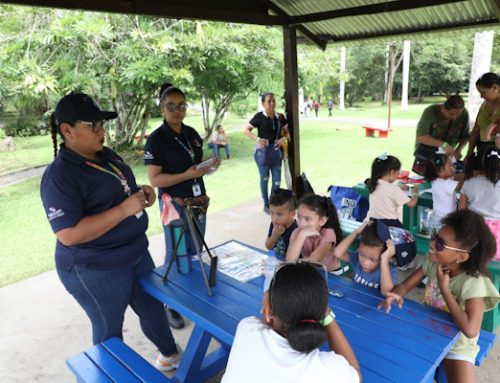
(330, 154)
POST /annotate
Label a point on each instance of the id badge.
(196, 190)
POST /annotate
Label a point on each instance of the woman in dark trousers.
(171, 155)
(272, 129)
(96, 210)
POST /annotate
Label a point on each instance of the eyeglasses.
(440, 246)
(175, 108)
(94, 125)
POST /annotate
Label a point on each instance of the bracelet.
(444, 145)
(328, 319)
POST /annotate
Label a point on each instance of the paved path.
(16, 176)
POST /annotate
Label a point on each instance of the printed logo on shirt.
(148, 155)
(54, 213)
(359, 279)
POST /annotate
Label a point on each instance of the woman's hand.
(150, 195)
(280, 142)
(193, 172)
(134, 203)
(215, 162)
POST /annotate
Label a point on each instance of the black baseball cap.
(79, 106)
(404, 241)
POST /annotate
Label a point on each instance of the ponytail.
(381, 166)
(306, 335)
(54, 129)
(324, 207)
(491, 164)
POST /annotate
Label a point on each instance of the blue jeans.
(216, 149)
(264, 178)
(105, 295)
(190, 245)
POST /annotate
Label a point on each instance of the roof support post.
(292, 100)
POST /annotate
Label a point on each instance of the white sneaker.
(164, 363)
(406, 267)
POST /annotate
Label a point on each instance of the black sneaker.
(175, 320)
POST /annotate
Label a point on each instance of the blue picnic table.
(406, 345)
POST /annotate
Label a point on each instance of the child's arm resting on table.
(297, 240)
(341, 250)
(386, 282)
(468, 321)
(399, 291)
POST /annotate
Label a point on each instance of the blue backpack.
(349, 204)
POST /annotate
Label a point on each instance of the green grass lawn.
(328, 156)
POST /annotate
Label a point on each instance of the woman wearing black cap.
(96, 210)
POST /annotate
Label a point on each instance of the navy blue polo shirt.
(267, 127)
(162, 149)
(72, 190)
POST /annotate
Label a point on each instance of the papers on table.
(238, 261)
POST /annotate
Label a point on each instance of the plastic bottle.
(270, 264)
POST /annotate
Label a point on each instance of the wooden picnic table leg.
(195, 365)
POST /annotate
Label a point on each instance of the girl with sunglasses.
(284, 345)
(482, 193)
(458, 283)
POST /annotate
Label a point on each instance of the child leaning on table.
(439, 171)
(387, 199)
(318, 232)
(284, 345)
(482, 193)
(458, 283)
(371, 262)
(282, 205)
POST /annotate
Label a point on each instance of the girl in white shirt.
(439, 171)
(284, 345)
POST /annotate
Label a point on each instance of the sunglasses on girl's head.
(440, 245)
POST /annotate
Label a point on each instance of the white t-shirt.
(387, 201)
(483, 196)
(444, 199)
(259, 354)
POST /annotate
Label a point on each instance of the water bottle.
(269, 265)
(183, 258)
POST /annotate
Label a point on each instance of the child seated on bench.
(318, 232)
(458, 283)
(371, 263)
(283, 207)
(296, 322)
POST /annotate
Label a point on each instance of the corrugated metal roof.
(480, 14)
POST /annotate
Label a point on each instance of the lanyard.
(189, 150)
(117, 173)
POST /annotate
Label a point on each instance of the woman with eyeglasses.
(284, 345)
(96, 210)
(171, 155)
(487, 125)
(458, 283)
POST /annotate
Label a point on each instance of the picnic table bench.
(113, 361)
(370, 130)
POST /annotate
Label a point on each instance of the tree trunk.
(342, 80)
(406, 74)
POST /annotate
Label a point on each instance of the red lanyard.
(117, 174)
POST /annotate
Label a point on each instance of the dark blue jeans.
(190, 246)
(264, 179)
(105, 295)
(216, 147)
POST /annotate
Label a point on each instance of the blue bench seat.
(486, 341)
(113, 361)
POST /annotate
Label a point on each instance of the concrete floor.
(41, 325)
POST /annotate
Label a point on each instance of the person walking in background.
(316, 107)
(330, 107)
(97, 212)
(218, 140)
(272, 131)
